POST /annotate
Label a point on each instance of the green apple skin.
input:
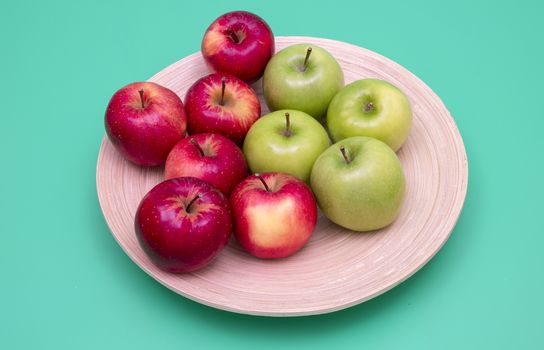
(370, 107)
(365, 194)
(268, 149)
(286, 85)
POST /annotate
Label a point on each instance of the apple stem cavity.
(188, 207)
(258, 176)
(234, 36)
(141, 92)
(194, 143)
(345, 154)
(308, 53)
(221, 102)
(287, 131)
(369, 107)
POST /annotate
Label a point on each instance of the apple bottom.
(191, 250)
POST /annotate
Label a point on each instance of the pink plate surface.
(337, 268)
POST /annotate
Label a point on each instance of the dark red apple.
(144, 121)
(222, 104)
(239, 43)
(183, 223)
(274, 214)
(210, 157)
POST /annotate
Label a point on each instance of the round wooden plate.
(337, 268)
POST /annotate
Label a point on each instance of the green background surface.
(66, 284)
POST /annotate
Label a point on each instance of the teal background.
(66, 284)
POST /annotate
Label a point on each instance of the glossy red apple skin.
(239, 43)
(180, 241)
(273, 224)
(210, 157)
(145, 135)
(240, 109)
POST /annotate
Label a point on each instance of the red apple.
(239, 43)
(222, 104)
(183, 223)
(144, 121)
(274, 214)
(210, 157)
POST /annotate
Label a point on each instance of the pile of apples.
(211, 143)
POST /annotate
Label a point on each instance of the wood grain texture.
(337, 268)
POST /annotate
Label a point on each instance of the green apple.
(304, 77)
(370, 107)
(285, 141)
(359, 183)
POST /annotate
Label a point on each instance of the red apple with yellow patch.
(239, 43)
(144, 121)
(221, 104)
(274, 214)
(210, 157)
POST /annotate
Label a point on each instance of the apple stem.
(141, 91)
(233, 36)
(369, 107)
(345, 154)
(188, 207)
(264, 182)
(308, 52)
(222, 91)
(287, 131)
(194, 143)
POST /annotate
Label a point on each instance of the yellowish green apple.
(286, 141)
(304, 77)
(370, 107)
(359, 183)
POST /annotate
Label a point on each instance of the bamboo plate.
(337, 268)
